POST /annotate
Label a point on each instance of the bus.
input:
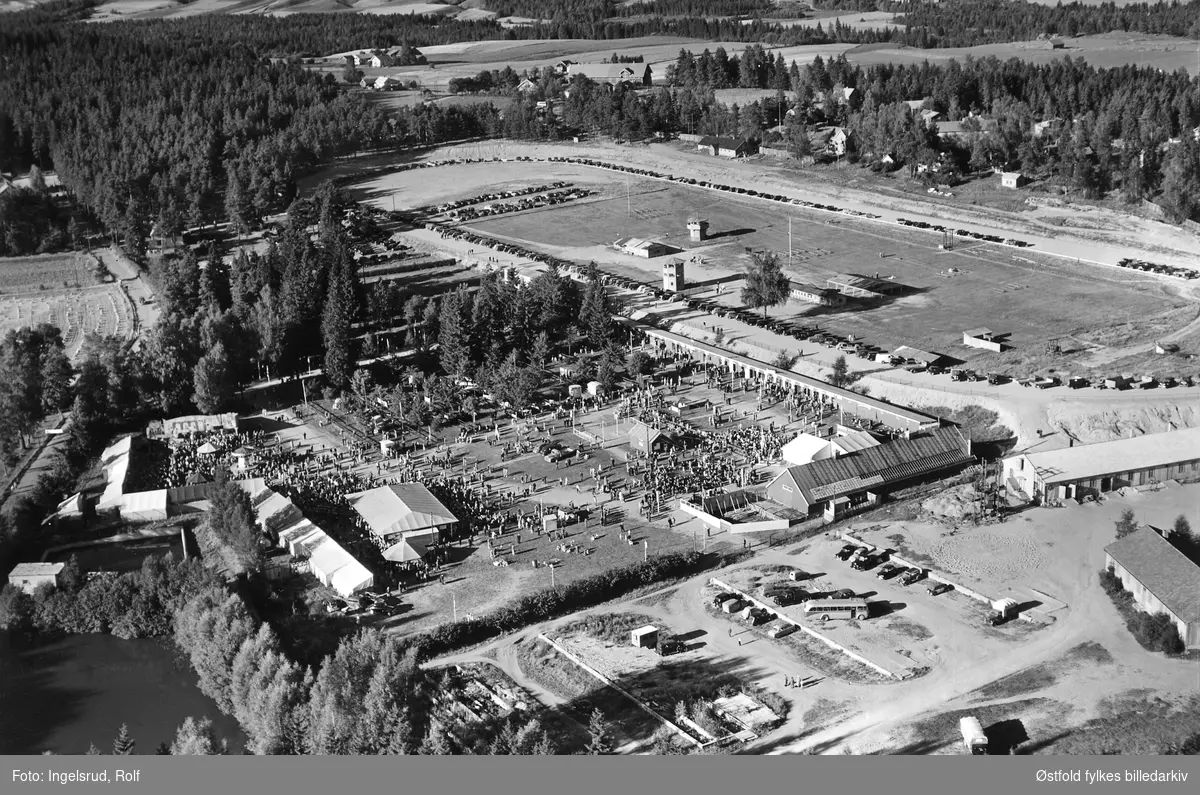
(837, 608)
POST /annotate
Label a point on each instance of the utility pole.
(789, 241)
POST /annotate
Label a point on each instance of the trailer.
(975, 741)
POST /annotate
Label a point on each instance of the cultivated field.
(46, 272)
(103, 309)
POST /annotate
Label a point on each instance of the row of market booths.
(900, 419)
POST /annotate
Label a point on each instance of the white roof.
(854, 441)
(1087, 461)
(114, 475)
(118, 448)
(803, 449)
(36, 569)
(145, 504)
(403, 507)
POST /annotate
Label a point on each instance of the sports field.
(949, 291)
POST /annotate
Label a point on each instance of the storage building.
(1161, 578)
(1075, 472)
(29, 576)
(834, 487)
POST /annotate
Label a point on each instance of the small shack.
(985, 339)
(644, 637)
(29, 576)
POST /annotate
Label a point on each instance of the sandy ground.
(971, 662)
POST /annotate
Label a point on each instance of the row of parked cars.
(499, 195)
(1155, 267)
(379, 604)
(526, 203)
(964, 233)
(863, 559)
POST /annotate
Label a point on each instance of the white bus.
(837, 608)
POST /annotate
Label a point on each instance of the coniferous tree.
(123, 744)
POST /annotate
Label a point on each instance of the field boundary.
(605, 680)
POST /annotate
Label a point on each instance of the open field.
(949, 291)
(1109, 50)
(46, 272)
(102, 309)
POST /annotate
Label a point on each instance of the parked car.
(865, 562)
(790, 597)
(844, 593)
(887, 571)
(939, 588)
(846, 551)
(781, 630)
(910, 576)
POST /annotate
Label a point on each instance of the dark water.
(62, 695)
(121, 557)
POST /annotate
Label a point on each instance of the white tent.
(804, 449)
(144, 506)
(208, 448)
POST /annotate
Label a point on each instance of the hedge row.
(559, 601)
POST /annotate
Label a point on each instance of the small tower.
(697, 228)
(673, 275)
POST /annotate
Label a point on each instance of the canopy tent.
(803, 449)
(407, 550)
(208, 448)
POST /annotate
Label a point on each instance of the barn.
(1082, 470)
(838, 486)
(1161, 578)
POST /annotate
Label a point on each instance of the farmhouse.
(30, 576)
(1074, 472)
(526, 85)
(985, 339)
(807, 447)
(160, 244)
(965, 130)
(401, 512)
(1047, 127)
(386, 83)
(834, 487)
(858, 286)
(817, 295)
(649, 440)
(613, 74)
(725, 147)
(642, 248)
(1161, 578)
(1013, 179)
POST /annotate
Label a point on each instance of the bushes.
(553, 602)
(1154, 631)
(136, 604)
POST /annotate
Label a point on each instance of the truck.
(1003, 610)
(974, 739)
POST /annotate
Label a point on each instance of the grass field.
(949, 291)
(46, 272)
(101, 309)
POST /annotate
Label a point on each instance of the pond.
(65, 694)
(121, 556)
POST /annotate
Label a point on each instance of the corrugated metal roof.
(1162, 570)
(878, 466)
(855, 441)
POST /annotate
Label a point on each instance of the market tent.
(408, 550)
(144, 506)
(208, 448)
